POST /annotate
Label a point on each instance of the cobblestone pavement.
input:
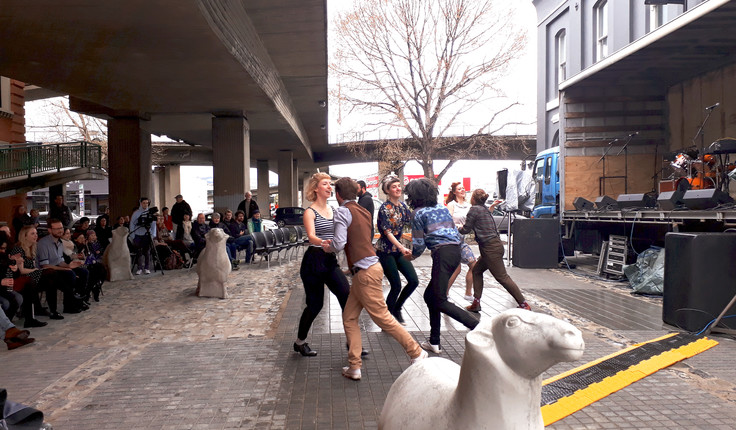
(151, 355)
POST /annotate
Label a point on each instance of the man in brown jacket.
(353, 233)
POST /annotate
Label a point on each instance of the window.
(600, 12)
(5, 111)
(656, 16)
(561, 48)
(548, 170)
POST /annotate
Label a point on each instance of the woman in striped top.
(319, 268)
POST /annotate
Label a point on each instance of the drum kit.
(713, 169)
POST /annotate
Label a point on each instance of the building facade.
(640, 72)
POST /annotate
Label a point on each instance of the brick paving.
(150, 355)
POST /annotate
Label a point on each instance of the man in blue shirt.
(68, 277)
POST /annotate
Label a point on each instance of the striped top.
(324, 228)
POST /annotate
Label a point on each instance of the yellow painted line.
(594, 392)
(594, 362)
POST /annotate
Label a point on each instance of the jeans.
(318, 269)
(445, 260)
(143, 254)
(394, 263)
(491, 258)
(245, 242)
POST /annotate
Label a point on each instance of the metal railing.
(26, 160)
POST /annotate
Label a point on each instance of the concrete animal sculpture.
(498, 385)
(117, 256)
(213, 266)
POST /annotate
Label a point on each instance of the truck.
(587, 227)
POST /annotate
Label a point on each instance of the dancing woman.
(480, 221)
(433, 228)
(459, 207)
(393, 215)
(319, 268)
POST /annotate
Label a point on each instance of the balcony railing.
(32, 158)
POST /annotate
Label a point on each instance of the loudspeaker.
(582, 204)
(698, 278)
(635, 201)
(669, 200)
(705, 199)
(605, 203)
(502, 178)
(536, 243)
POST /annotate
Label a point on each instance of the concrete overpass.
(246, 79)
(514, 148)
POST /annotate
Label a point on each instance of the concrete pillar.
(129, 160)
(157, 183)
(295, 184)
(305, 182)
(286, 181)
(171, 185)
(264, 191)
(230, 160)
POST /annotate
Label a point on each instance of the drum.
(697, 183)
(682, 161)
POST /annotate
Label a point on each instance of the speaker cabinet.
(536, 243)
(698, 278)
(635, 201)
(705, 199)
(670, 200)
(605, 203)
(582, 204)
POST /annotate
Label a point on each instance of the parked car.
(289, 216)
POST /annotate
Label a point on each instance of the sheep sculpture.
(117, 256)
(498, 385)
(213, 266)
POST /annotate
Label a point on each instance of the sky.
(519, 85)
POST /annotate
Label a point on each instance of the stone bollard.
(117, 256)
(213, 266)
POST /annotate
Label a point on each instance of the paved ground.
(152, 356)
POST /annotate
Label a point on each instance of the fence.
(32, 158)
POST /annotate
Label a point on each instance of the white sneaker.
(138, 272)
(429, 347)
(147, 272)
(353, 374)
(421, 357)
(469, 298)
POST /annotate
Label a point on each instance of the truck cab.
(546, 177)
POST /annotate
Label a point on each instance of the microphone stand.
(701, 133)
(602, 179)
(625, 150)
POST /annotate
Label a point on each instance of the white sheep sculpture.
(213, 266)
(498, 385)
(117, 256)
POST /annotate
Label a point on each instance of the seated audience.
(243, 239)
(14, 337)
(103, 231)
(230, 247)
(165, 241)
(199, 229)
(20, 218)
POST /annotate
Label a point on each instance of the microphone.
(634, 134)
(613, 141)
(711, 107)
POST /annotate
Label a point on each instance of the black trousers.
(445, 260)
(320, 268)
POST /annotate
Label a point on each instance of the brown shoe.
(475, 307)
(14, 333)
(17, 343)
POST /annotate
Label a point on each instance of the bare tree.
(422, 66)
(60, 124)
